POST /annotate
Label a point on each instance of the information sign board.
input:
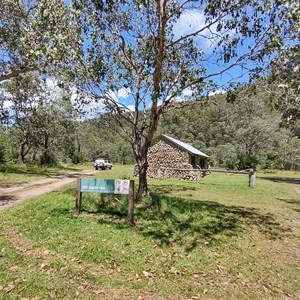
(106, 186)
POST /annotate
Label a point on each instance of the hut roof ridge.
(185, 146)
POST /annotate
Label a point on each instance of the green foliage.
(214, 239)
(35, 35)
(236, 134)
(225, 156)
(135, 46)
(42, 119)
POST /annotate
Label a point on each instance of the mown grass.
(217, 239)
(11, 174)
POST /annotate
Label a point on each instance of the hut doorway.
(193, 161)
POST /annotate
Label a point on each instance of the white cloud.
(7, 104)
(123, 93)
(187, 92)
(131, 107)
(112, 96)
(51, 83)
(190, 21)
(193, 20)
(83, 102)
(5, 99)
(217, 92)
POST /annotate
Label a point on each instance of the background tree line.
(248, 126)
(157, 52)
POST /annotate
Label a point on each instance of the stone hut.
(171, 158)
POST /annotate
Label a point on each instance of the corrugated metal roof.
(185, 146)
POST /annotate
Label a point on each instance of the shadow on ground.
(289, 180)
(6, 199)
(282, 179)
(171, 220)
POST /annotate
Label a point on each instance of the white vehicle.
(102, 164)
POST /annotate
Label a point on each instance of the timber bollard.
(252, 179)
(198, 176)
(131, 203)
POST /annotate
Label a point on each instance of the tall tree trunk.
(143, 184)
(22, 152)
(140, 154)
(78, 156)
(21, 157)
(46, 156)
(140, 148)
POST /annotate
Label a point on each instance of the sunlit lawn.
(15, 174)
(216, 239)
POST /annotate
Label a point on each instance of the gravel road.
(11, 196)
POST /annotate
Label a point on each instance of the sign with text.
(106, 186)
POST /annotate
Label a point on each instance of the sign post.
(78, 202)
(131, 203)
(106, 186)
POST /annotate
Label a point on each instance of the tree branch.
(15, 73)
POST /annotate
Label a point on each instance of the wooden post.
(131, 203)
(198, 176)
(252, 179)
(78, 203)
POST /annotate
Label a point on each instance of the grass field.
(216, 239)
(15, 174)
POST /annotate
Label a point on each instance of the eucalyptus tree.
(19, 93)
(35, 35)
(161, 52)
(41, 117)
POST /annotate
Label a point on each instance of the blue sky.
(190, 20)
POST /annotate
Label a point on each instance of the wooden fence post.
(252, 179)
(131, 203)
(78, 203)
(198, 176)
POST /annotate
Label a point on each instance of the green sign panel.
(106, 186)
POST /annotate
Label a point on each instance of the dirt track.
(12, 195)
(9, 196)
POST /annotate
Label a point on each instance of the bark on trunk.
(143, 185)
(46, 155)
(140, 148)
(22, 152)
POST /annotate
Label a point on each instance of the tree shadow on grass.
(282, 179)
(188, 223)
(290, 201)
(285, 180)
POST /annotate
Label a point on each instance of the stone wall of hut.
(163, 156)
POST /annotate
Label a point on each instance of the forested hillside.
(247, 127)
(240, 129)
(237, 133)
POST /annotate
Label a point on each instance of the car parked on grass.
(102, 164)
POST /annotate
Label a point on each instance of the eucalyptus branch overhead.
(159, 50)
